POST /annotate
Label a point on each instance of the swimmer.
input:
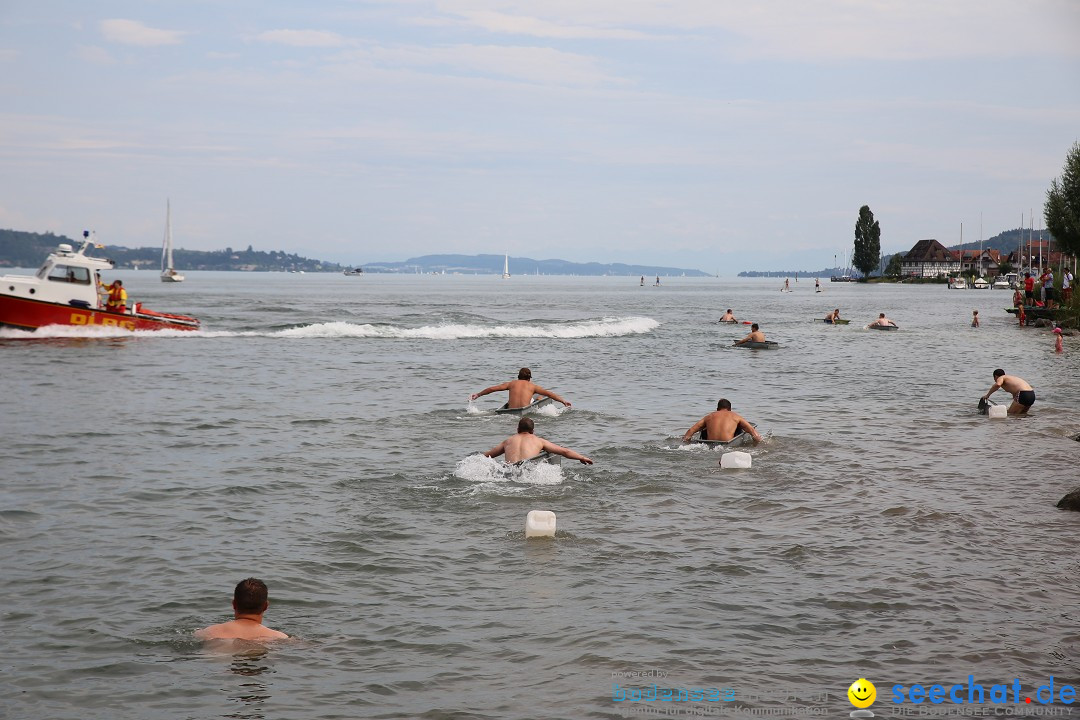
(249, 603)
(728, 317)
(1023, 394)
(521, 391)
(883, 321)
(525, 446)
(754, 336)
(721, 425)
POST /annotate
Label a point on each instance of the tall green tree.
(867, 242)
(1062, 209)
(895, 268)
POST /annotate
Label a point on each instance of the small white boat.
(1001, 284)
(355, 271)
(168, 272)
(981, 284)
(958, 284)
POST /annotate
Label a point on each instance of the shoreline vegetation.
(26, 250)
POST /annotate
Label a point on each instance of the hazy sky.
(716, 134)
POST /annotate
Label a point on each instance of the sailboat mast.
(166, 252)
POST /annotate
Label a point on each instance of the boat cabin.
(67, 277)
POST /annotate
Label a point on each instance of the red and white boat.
(65, 292)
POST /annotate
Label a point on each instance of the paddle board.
(741, 438)
(840, 321)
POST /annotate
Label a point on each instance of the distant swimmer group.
(722, 425)
(1023, 394)
(525, 445)
(250, 601)
(521, 391)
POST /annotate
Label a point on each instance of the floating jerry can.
(540, 523)
(735, 459)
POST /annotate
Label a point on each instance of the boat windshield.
(69, 273)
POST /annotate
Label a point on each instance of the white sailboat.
(168, 272)
(506, 267)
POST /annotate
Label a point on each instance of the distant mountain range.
(493, 264)
(28, 250)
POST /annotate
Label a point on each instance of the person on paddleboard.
(754, 336)
(883, 321)
(722, 425)
(728, 317)
(249, 603)
(833, 316)
(521, 391)
(525, 445)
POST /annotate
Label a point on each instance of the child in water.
(1058, 346)
(974, 318)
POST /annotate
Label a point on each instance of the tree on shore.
(867, 242)
(894, 268)
(1062, 209)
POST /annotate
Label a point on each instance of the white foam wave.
(492, 471)
(603, 327)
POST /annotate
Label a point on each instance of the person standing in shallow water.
(250, 601)
(1023, 394)
(974, 318)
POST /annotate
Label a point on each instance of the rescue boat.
(65, 291)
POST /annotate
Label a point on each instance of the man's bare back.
(241, 629)
(525, 445)
(521, 391)
(721, 425)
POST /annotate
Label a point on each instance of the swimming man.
(728, 317)
(526, 445)
(521, 391)
(883, 321)
(249, 603)
(833, 316)
(1023, 394)
(721, 425)
(754, 336)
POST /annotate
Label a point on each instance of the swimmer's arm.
(493, 388)
(566, 453)
(745, 339)
(497, 450)
(747, 427)
(993, 389)
(541, 391)
(695, 428)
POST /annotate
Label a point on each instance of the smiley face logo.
(862, 693)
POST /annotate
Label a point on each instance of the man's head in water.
(524, 374)
(525, 425)
(998, 373)
(754, 327)
(724, 404)
(250, 597)
(881, 316)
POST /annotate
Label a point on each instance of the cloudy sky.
(717, 134)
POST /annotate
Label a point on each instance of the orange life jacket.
(117, 298)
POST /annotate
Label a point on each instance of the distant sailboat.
(168, 272)
(506, 267)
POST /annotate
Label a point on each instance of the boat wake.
(603, 327)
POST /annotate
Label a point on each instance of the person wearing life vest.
(117, 301)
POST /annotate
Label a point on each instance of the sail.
(166, 247)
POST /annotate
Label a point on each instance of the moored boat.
(65, 292)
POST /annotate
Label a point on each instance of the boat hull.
(27, 314)
(767, 345)
(883, 327)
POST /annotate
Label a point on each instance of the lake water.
(316, 434)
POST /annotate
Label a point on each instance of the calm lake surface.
(317, 434)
